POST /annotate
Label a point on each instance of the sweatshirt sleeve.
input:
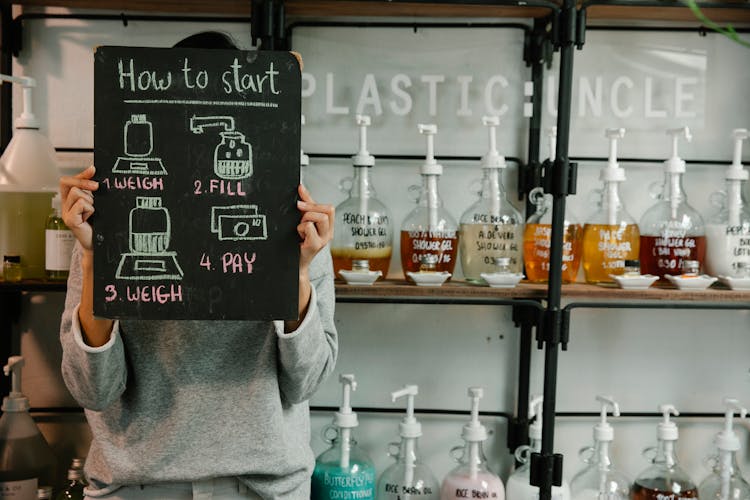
(95, 376)
(308, 355)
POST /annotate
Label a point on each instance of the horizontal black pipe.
(660, 304)
(125, 18)
(661, 3)
(471, 301)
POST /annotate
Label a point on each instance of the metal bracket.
(546, 470)
(537, 44)
(569, 27)
(518, 433)
(559, 177)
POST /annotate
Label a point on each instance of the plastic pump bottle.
(364, 230)
(728, 231)
(726, 481)
(26, 460)
(472, 478)
(537, 235)
(664, 479)
(344, 470)
(671, 230)
(518, 486)
(491, 227)
(429, 232)
(408, 478)
(599, 480)
(610, 236)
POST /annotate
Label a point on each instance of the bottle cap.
(727, 440)
(632, 263)
(304, 160)
(667, 430)
(603, 431)
(345, 418)
(15, 401)
(430, 166)
(675, 164)
(363, 158)
(612, 172)
(27, 118)
(74, 474)
(501, 261)
(56, 202)
(492, 159)
(535, 410)
(409, 427)
(360, 265)
(474, 431)
(735, 170)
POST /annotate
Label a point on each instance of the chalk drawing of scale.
(233, 156)
(149, 231)
(138, 144)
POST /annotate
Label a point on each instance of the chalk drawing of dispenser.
(149, 232)
(138, 144)
(233, 157)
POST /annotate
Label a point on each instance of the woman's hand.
(315, 228)
(78, 204)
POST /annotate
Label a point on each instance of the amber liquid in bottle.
(414, 244)
(379, 259)
(606, 248)
(660, 256)
(658, 489)
(536, 249)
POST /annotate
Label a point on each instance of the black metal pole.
(6, 67)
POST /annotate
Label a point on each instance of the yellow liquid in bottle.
(536, 249)
(606, 248)
(379, 259)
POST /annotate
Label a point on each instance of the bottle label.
(18, 490)
(59, 247)
(333, 483)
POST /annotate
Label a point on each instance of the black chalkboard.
(197, 158)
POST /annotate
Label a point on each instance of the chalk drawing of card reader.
(238, 223)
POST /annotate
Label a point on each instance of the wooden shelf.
(732, 12)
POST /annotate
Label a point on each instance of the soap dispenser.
(344, 470)
(519, 485)
(664, 479)
(671, 230)
(490, 228)
(728, 231)
(537, 236)
(408, 477)
(29, 178)
(726, 481)
(472, 478)
(364, 230)
(610, 235)
(599, 480)
(26, 460)
(429, 231)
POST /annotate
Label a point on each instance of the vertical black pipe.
(535, 124)
(524, 376)
(6, 67)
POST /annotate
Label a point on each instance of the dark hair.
(207, 40)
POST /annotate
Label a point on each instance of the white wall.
(689, 358)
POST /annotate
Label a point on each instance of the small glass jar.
(12, 271)
(501, 265)
(632, 268)
(742, 270)
(361, 265)
(691, 268)
(428, 263)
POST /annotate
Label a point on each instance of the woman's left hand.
(315, 228)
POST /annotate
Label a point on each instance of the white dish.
(429, 279)
(735, 283)
(640, 282)
(502, 280)
(697, 283)
(360, 277)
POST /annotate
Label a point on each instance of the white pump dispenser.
(726, 481)
(612, 174)
(363, 159)
(431, 169)
(599, 479)
(493, 162)
(408, 477)
(674, 166)
(345, 419)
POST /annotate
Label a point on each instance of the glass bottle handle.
(346, 184)
(329, 433)
(454, 453)
(393, 448)
(522, 453)
(475, 186)
(656, 191)
(718, 199)
(415, 191)
(710, 462)
(649, 453)
(586, 454)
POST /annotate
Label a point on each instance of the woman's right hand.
(78, 204)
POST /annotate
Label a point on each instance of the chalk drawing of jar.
(233, 156)
(150, 226)
(139, 137)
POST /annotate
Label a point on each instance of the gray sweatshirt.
(190, 400)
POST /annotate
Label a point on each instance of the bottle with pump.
(408, 477)
(28, 179)
(610, 236)
(344, 470)
(671, 230)
(664, 479)
(726, 481)
(74, 489)
(728, 231)
(429, 229)
(519, 485)
(363, 223)
(491, 227)
(472, 478)
(599, 480)
(59, 242)
(538, 235)
(26, 460)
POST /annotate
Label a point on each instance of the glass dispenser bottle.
(610, 236)
(664, 479)
(518, 486)
(599, 480)
(728, 231)
(491, 227)
(429, 230)
(538, 235)
(344, 470)
(408, 477)
(363, 223)
(671, 230)
(472, 478)
(726, 481)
